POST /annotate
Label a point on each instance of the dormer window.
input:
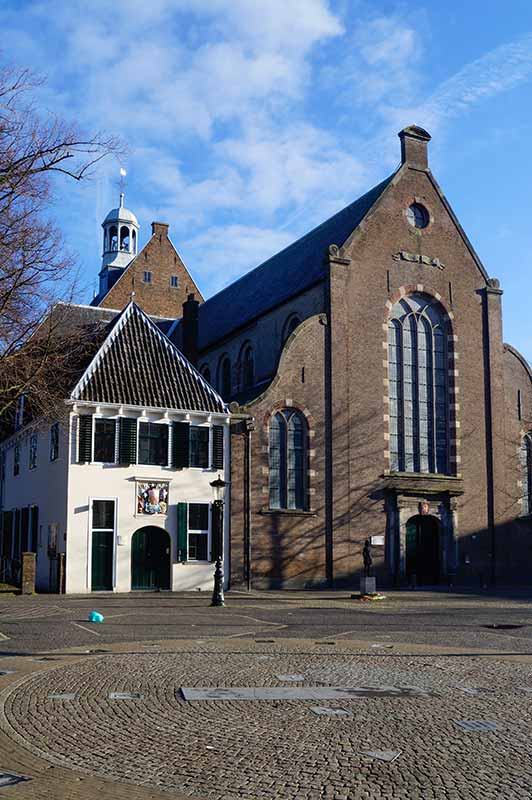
(147, 276)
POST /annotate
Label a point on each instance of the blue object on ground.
(95, 616)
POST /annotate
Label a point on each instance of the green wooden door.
(422, 550)
(150, 559)
(411, 547)
(102, 561)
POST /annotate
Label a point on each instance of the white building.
(116, 496)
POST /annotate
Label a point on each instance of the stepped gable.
(290, 272)
(137, 365)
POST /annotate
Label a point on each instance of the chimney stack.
(190, 328)
(414, 143)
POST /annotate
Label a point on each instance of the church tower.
(120, 240)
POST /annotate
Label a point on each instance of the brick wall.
(158, 298)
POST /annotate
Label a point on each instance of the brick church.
(372, 394)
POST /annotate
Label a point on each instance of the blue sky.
(248, 122)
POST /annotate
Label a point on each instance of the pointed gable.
(137, 365)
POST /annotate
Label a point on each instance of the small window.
(199, 447)
(153, 444)
(224, 377)
(19, 413)
(198, 531)
(147, 276)
(16, 460)
(104, 441)
(33, 450)
(174, 281)
(248, 368)
(418, 216)
(103, 515)
(54, 442)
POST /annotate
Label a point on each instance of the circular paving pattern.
(281, 749)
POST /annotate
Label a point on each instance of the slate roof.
(296, 268)
(137, 365)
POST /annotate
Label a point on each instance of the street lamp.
(218, 489)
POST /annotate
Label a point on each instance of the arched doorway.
(423, 549)
(150, 559)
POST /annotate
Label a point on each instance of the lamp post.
(218, 488)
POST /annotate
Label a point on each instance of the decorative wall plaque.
(152, 497)
(415, 258)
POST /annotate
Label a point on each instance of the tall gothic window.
(288, 460)
(526, 474)
(419, 390)
(248, 367)
(224, 377)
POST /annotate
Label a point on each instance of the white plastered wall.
(115, 482)
(45, 486)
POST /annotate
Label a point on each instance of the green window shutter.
(34, 527)
(24, 528)
(180, 444)
(217, 447)
(85, 438)
(182, 531)
(127, 446)
(216, 533)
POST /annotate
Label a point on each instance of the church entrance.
(150, 559)
(423, 550)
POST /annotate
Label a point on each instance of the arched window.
(113, 238)
(419, 391)
(124, 238)
(526, 474)
(288, 460)
(290, 325)
(247, 366)
(206, 372)
(224, 377)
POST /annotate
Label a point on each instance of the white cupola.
(120, 240)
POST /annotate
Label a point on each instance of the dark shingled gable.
(294, 269)
(137, 365)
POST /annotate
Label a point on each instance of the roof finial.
(122, 184)
(132, 296)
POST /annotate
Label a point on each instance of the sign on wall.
(152, 497)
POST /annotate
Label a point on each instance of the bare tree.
(34, 267)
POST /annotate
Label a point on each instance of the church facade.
(373, 398)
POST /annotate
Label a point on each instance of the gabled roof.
(137, 365)
(296, 268)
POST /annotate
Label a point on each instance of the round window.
(418, 216)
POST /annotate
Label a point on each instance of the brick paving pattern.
(256, 750)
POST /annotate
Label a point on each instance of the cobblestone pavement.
(254, 750)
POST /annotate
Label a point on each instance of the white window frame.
(89, 540)
(54, 426)
(95, 418)
(190, 530)
(208, 425)
(33, 438)
(142, 420)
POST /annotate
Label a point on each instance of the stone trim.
(453, 373)
(312, 474)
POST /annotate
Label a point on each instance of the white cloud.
(498, 71)
(223, 253)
